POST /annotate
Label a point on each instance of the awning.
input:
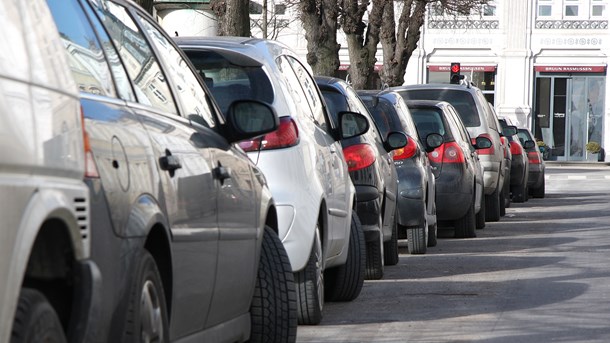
(571, 69)
(463, 68)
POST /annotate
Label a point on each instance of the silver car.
(44, 204)
(302, 160)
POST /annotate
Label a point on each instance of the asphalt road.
(540, 274)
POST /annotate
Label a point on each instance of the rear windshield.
(427, 121)
(462, 101)
(229, 82)
(384, 115)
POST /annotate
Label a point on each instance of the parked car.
(460, 200)
(536, 180)
(184, 227)
(480, 121)
(45, 246)
(302, 160)
(508, 157)
(519, 170)
(371, 169)
(416, 201)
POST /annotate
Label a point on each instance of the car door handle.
(221, 173)
(169, 162)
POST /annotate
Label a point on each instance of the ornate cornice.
(572, 24)
(463, 24)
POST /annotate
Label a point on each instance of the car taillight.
(516, 149)
(487, 151)
(449, 152)
(534, 157)
(359, 156)
(407, 151)
(90, 166)
(285, 136)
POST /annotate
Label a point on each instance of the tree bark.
(319, 18)
(233, 17)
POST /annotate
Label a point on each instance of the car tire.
(480, 217)
(417, 241)
(147, 318)
(504, 202)
(274, 303)
(539, 192)
(36, 320)
(310, 285)
(492, 206)
(390, 248)
(520, 193)
(432, 235)
(465, 226)
(344, 283)
(374, 257)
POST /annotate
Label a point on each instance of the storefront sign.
(464, 68)
(570, 69)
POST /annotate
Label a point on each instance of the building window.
(571, 11)
(489, 10)
(545, 10)
(598, 10)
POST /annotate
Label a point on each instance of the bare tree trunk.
(233, 17)
(319, 18)
(265, 23)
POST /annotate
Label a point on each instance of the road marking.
(577, 177)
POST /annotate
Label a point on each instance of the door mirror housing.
(248, 119)
(482, 143)
(352, 124)
(528, 144)
(509, 130)
(433, 141)
(395, 140)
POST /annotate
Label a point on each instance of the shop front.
(569, 104)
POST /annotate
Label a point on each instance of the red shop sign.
(570, 69)
(464, 68)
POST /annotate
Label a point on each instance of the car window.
(190, 93)
(457, 125)
(86, 58)
(428, 120)
(405, 113)
(121, 80)
(228, 81)
(310, 90)
(461, 100)
(335, 102)
(142, 66)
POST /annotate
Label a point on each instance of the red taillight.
(516, 148)
(90, 166)
(359, 156)
(286, 135)
(534, 157)
(449, 152)
(407, 151)
(487, 151)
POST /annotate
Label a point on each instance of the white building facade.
(541, 63)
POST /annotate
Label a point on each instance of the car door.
(335, 171)
(185, 185)
(226, 178)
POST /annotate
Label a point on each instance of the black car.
(519, 170)
(536, 180)
(373, 174)
(460, 201)
(183, 224)
(416, 202)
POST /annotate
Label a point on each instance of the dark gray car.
(456, 166)
(416, 200)
(184, 227)
(480, 121)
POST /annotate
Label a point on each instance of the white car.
(302, 161)
(50, 287)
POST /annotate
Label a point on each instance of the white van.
(48, 283)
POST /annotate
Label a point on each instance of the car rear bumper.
(536, 176)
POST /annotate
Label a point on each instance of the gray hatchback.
(480, 121)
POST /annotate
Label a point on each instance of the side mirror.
(528, 144)
(509, 130)
(352, 124)
(482, 143)
(395, 140)
(248, 119)
(433, 141)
